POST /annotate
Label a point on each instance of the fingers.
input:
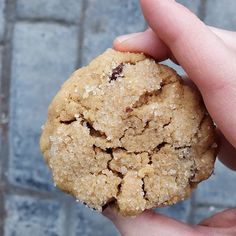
(204, 52)
(148, 223)
(205, 58)
(227, 153)
(228, 37)
(192, 46)
(149, 43)
(223, 219)
(146, 42)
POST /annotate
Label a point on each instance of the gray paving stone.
(1, 59)
(44, 55)
(68, 10)
(179, 211)
(28, 216)
(2, 116)
(104, 20)
(89, 223)
(194, 6)
(221, 13)
(219, 189)
(2, 19)
(202, 213)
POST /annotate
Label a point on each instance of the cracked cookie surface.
(126, 131)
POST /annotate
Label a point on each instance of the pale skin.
(208, 55)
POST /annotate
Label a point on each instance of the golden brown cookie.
(126, 131)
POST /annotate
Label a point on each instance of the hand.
(208, 55)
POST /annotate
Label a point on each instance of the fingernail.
(123, 38)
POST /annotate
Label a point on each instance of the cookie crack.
(161, 145)
(67, 122)
(194, 169)
(167, 124)
(145, 97)
(199, 126)
(92, 131)
(144, 191)
(145, 128)
(110, 151)
(130, 127)
(110, 202)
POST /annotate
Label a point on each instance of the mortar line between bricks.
(9, 15)
(5, 82)
(202, 10)
(81, 33)
(46, 21)
(68, 221)
(192, 208)
(217, 205)
(68, 207)
(2, 212)
(20, 191)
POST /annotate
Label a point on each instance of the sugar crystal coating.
(125, 131)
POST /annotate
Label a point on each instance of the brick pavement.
(41, 43)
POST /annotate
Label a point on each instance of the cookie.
(125, 131)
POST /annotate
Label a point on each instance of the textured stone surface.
(104, 21)
(28, 216)
(68, 10)
(2, 116)
(202, 213)
(89, 223)
(44, 55)
(218, 188)
(1, 60)
(179, 211)
(221, 13)
(2, 19)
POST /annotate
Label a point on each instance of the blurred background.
(41, 43)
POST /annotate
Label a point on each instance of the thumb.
(225, 219)
(204, 56)
(149, 224)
